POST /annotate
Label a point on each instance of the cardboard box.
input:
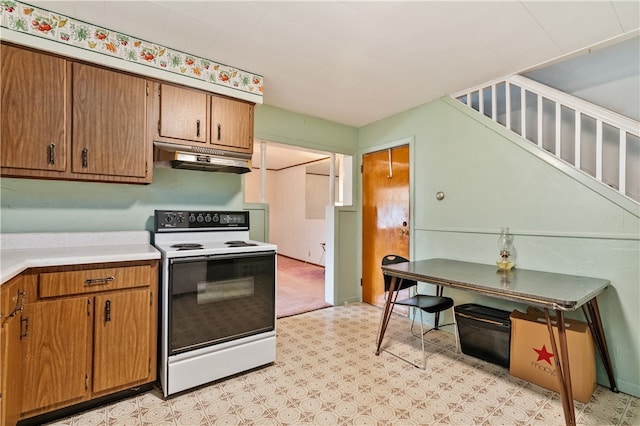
(532, 356)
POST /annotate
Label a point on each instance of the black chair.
(433, 304)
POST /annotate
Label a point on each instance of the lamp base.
(505, 264)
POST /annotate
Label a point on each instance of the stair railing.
(599, 142)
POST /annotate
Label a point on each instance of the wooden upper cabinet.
(231, 124)
(196, 118)
(184, 114)
(34, 105)
(109, 122)
(62, 119)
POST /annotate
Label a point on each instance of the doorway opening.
(298, 185)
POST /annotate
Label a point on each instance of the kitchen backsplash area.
(32, 205)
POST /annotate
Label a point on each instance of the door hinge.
(158, 126)
(88, 307)
(24, 321)
(151, 299)
(86, 382)
(360, 282)
(147, 88)
(361, 168)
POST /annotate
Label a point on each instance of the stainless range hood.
(206, 159)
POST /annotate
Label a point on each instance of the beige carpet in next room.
(300, 287)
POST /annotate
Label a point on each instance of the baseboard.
(301, 260)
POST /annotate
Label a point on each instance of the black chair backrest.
(392, 259)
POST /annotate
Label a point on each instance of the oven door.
(214, 299)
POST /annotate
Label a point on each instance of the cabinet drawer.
(92, 280)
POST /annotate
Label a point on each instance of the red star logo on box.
(543, 354)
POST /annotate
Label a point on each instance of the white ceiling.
(356, 62)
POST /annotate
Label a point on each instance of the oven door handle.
(221, 256)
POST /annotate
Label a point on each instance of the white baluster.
(523, 112)
(540, 121)
(622, 179)
(507, 108)
(494, 102)
(599, 150)
(558, 130)
(578, 139)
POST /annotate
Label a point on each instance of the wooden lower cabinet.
(54, 353)
(121, 339)
(67, 349)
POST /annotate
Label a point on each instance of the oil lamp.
(505, 247)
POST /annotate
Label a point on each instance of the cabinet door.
(183, 114)
(55, 362)
(33, 110)
(109, 122)
(121, 339)
(12, 297)
(232, 124)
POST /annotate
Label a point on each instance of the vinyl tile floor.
(327, 373)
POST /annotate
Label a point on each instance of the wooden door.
(109, 122)
(232, 124)
(183, 114)
(34, 110)
(385, 215)
(56, 348)
(121, 339)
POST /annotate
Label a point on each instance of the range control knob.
(192, 218)
(200, 218)
(207, 218)
(216, 218)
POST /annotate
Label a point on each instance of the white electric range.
(218, 297)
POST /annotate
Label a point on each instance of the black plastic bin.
(484, 332)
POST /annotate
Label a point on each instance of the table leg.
(562, 366)
(386, 315)
(595, 325)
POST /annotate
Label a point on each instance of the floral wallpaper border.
(38, 22)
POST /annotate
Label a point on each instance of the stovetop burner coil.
(240, 244)
(187, 246)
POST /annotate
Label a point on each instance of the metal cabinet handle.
(197, 128)
(52, 153)
(104, 280)
(107, 311)
(85, 162)
(219, 131)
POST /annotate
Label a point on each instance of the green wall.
(278, 125)
(33, 205)
(491, 180)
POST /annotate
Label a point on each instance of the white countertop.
(28, 250)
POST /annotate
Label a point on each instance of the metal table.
(535, 288)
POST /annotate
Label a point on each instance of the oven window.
(220, 298)
(209, 292)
